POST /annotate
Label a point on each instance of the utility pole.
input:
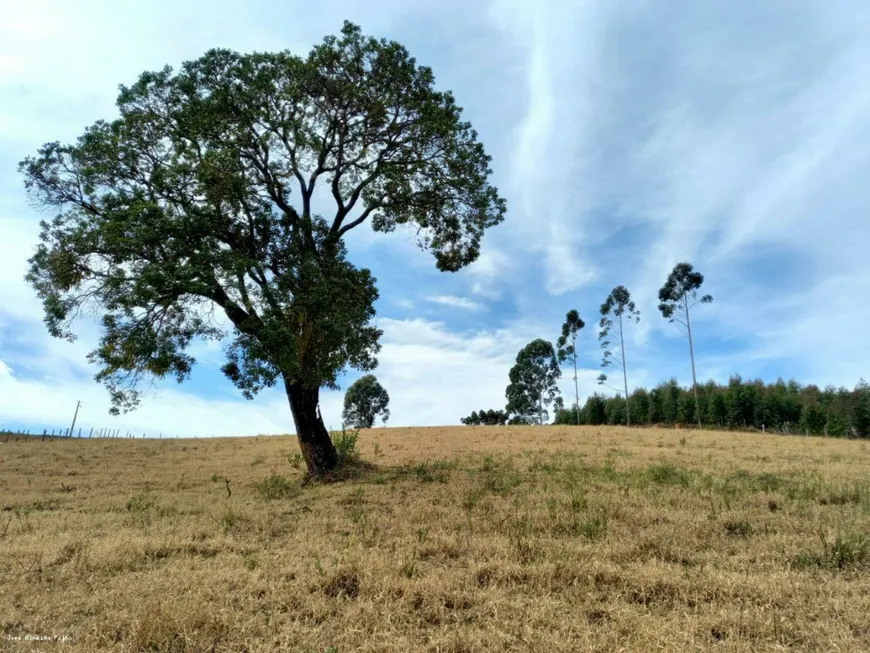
(75, 415)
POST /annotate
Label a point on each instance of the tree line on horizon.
(786, 407)
(780, 406)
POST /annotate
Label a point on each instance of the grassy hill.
(458, 539)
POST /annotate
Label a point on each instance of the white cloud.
(730, 134)
(456, 302)
(716, 132)
(435, 376)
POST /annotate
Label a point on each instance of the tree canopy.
(365, 401)
(489, 417)
(200, 199)
(680, 293)
(533, 381)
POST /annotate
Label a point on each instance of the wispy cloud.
(625, 137)
(456, 302)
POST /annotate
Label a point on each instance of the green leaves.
(680, 292)
(364, 401)
(533, 381)
(488, 417)
(572, 326)
(198, 197)
(617, 311)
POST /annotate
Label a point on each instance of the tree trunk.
(576, 387)
(692, 357)
(624, 373)
(314, 441)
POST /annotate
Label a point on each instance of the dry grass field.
(455, 540)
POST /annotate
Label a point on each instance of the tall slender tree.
(677, 298)
(200, 197)
(617, 311)
(567, 350)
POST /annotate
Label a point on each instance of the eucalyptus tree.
(567, 350)
(617, 311)
(365, 401)
(199, 198)
(533, 382)
(677, 298)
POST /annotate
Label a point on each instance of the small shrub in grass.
(738, 528)
(140, 503)
(471, 498)
(846, 550)
(439, 471)
(140, 509)
(232, 520)
(345, 442)
(593, 529)
(277, 487)
(295, 460)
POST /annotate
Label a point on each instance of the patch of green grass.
(545, 466)
(140, 503)
(842, 495)
(252, 560)
(764, 482)
(846, 550)
(232, 520)
(277, 487)
(500, 479)
(669, 474)
(806, 488)
(438, 471)
(472, 497)
(593, 529)
(140, 508)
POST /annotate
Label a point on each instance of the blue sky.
(625, 136)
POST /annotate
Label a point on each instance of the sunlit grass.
(448, 539)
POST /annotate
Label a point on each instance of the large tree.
(567, 350)
(200, 198)
(365, 401)
(678, 297)
(617, 311)
(533, 381)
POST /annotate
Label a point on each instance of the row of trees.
(785, 407)
(489, 417)
(741, 404)
(533, 387)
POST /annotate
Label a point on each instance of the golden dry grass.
(461, 539)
